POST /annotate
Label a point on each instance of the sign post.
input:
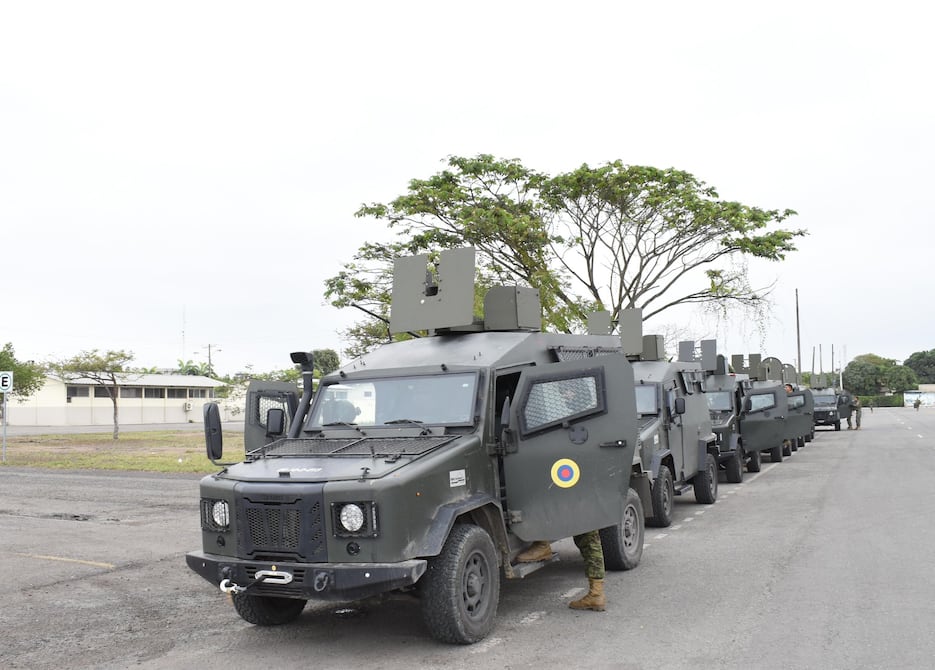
(6, 387)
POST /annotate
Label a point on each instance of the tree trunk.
(116, 424)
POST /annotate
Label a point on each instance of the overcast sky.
(179, 174)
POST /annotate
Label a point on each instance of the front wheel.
(623, 544)
(461, 587)
(753, 465)
(705, 482)
(735, 467)
(775, 454)
(663, 499)
(837, 425)
(267, 610)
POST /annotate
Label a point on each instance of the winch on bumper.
(320, 581)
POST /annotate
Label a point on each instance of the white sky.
(195, 166)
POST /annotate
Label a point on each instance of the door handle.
(620, 444)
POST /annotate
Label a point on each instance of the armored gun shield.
(575, 430)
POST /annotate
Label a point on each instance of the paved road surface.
(822, 561)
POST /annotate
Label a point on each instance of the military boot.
(540, 550)
(593, 599)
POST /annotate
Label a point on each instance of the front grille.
(283, 521)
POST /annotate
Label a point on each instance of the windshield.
(825, 400)
(431, 399)
(646, 399)
(719, 401)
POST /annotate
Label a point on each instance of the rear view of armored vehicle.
(427, 465)
(677, 449)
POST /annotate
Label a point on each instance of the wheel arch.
(479, 510)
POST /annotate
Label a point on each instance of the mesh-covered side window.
(554, 401)
(264, 404)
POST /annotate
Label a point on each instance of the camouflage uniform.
(589, 544)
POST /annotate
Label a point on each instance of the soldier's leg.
(589, 544)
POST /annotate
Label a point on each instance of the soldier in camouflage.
(589, 544)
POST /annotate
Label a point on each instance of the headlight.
(354, 519)
(215, 515)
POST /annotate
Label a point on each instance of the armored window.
(154, 393)
(762, 401)
(718, 401)
(131, 392)
(553, 402)
(267, 402)
(647, 399)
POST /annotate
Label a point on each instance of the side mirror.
(747, 405)
(214, 441)
(275, 421)
(680, 405)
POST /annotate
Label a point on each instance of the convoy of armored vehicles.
(429, 464)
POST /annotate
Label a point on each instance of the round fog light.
(352, 517)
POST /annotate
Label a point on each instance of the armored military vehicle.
(801, 417)
(725, 392)
(763, 420)
(427, 465)
(827, 411)
(677, 449)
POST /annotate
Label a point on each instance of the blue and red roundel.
(565, 473)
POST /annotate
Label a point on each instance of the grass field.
(157, 451)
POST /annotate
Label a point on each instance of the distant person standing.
(917, 403)
(855, 408)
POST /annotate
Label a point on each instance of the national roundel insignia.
(565, 473)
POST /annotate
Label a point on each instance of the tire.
(735, 467)
(461, 587)
(267, 610)
(663, 499)
(705, 482)
(623, 543)
(775, 454)
(801, 443)
(753, 464)
(787, 447)
(837, 425)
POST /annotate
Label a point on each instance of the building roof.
(145, 379)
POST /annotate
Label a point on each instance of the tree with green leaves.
(107, 369)
(923, 364)
(611, 237)
(866, 374)
(326, 361)
(28, 377)
(900, 378)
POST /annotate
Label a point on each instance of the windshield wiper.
(415, 421)
(337, 423)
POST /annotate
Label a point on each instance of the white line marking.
(660, 536)
(93, 564)
(699, 512)
(486, 645)
(691, 518)
(572, 593)
(675, 527)
(533, 617)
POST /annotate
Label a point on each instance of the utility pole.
(210, 366)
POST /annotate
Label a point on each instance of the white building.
(143, 398)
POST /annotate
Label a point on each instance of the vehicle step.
(520, 570)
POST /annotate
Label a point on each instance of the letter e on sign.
(6, 382)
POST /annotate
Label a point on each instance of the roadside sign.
(6, 382)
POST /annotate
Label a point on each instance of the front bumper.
(318, 581)
(826, 418)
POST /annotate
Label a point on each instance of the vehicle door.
(263, 396)
(799, 420)
(573, 429)
(682, 453)
(763, 424)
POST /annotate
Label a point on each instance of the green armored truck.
(677, 449)
(427, 465)
(765, 408)
(725, 392)
(827, 407)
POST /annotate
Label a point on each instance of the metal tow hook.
(227, 586)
